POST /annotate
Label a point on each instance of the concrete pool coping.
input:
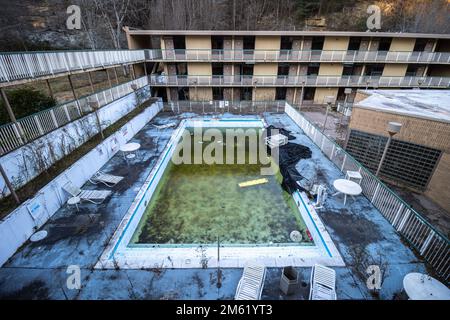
(119, 255)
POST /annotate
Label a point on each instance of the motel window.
(354, 44)
(217, 93)
(420, 45)
(246, 93)
(217, 43)
(286, 43)
(249, 42)
(283, 69)
(280, 93)
(384, 44)
(313, 69)
(317, 43)
(179, 42)
(217, 69)
(309, 93)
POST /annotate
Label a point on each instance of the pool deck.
(38, 270)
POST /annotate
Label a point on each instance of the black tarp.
(289, 155)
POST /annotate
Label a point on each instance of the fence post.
(38, 125)
(427, 242)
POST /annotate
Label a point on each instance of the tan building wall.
(265, 69)
(267, 43)
(198, 42)
(330, 69)
(405, 44)
(200, 94)
(336, 43)
(395, 70)
(438, 185)
(433, 134)
(199, 68)
(263, 94)
(321, 93)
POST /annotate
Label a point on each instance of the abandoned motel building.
(389, 93)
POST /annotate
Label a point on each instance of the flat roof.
(427, 104)
(133, 31)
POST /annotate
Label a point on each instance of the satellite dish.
(296, 236)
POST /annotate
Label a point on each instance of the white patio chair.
(108, 180)
(251, 284)
(94, 196)
(323, 283)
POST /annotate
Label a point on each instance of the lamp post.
(328, 100)
(393, 128)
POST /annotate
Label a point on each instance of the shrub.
(25, 101)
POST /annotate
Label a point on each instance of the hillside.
(40, 24)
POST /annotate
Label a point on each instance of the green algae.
(198, 203)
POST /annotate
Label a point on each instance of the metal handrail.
(404, 210)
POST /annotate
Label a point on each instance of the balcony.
(205, 55)
(296, 81)
(21, 66)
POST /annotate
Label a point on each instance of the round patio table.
(419, 286)
(129, 148)
(347, 187)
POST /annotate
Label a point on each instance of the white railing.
(317, 81)
(28, 65)
(428, 242)
(298, 55)
(14, 135)
(221, 106)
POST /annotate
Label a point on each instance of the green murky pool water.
(197, 203)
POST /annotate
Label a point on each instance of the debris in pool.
(187, 261)
(253, 182)
(296, 236)
(200, 142)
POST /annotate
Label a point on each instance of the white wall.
(19, 225)
(20, 164)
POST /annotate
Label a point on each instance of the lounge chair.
(108, 180)
(251, 284)
(164, 126)
(323, 283)
(94, 196)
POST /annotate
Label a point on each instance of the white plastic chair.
(94, 196)
(251, 284)
(108, 180)
(323, 283)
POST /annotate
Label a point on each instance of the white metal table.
(347, 187)
(74, 201)
(419, 286)
(128, 149)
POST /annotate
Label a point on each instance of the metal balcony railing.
(29, 65)
(294, 81)
(13, 135)
(346, 56)
(429, 243)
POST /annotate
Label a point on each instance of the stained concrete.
(38, 270)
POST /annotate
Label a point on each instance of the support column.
(8, 183)
(8, 106)
(50, 91)
(110, 83)
(91, 83)
(75, 95)
(19, 131)
(133, 72)
(115, 74)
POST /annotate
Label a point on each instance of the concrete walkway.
(38, 270)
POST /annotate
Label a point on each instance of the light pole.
(393, 128)
(328, 100)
